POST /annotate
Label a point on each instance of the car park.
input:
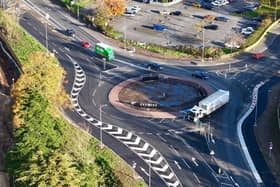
(200, 74)
(176, 13)
(258, 56)
(85, 44)
(211, 27)
(153, 66)
(70, 32)
(221, 18)
(247, 30)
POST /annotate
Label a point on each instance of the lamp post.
(100, 118)
(202, 55)
(256, 112)
(47, 18)
(275, 12)
(150, 173)
(78, 9)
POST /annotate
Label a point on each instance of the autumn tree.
(115, 7)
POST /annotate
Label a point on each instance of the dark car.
(176, 13)
(70, 32)
(153, 66)
(211, 27)
(207, 6)
(200, 75)
(221, 18)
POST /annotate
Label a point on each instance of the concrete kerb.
(114, 99)
(241, 137)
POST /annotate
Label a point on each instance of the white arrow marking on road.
(168, 177)
(136, 142)
(165, 167)
(150, 155)
(144, 148)
(90, 119)
(79, 84)
(194, 161)
(158, 161)
(175, 184)
(177, 164)
(144, 171)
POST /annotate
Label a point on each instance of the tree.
(115, 7)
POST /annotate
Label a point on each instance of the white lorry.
(207, 105)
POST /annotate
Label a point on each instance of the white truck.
(207, 105)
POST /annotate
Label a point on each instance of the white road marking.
(194, 161)
(93, 95)
(196, 177)
(163, 169)
(177, 164)
(144, 148)
(226, 184)
(161, 137)
(185, 162)
(174, 150)
(144, 171)
(168, 176)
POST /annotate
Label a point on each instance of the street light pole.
(275, 12)
(202, 55)
(100, 118)
(256, 112)
(47, 18)
(78, 10)
(150, 172)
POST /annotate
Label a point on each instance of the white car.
(129, 14)
(164, 12)
(247, 31)
(133, 8)
(232, 45)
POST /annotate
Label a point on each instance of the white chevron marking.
(150, 155)
(165, 167)
(127, 137)
(169, 176)
(108, 127)
(74, 93)
(158, 161)
(119, 131)
(136, 142)
(175, 184)
(144, 148)
(90, 119)
(79, 84)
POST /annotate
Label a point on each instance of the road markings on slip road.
(177, 164)
(196, 177)
(185, 162)
(144, 171)
(134, 142)
(194, 161)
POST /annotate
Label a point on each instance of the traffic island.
(157, 95)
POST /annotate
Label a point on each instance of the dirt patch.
(268, 131)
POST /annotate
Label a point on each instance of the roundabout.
(157, 95)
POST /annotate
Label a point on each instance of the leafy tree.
(115, 7)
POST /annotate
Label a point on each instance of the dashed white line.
(177, 164)
(185, 162)
(196, 177)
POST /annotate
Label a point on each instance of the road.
(188, 157)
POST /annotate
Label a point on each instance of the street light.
(100, 118)
(202, 55)
(47, 18)
(275, 12)
(256, 112)
(150, 173)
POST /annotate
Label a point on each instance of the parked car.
(164, 12)
(176, 13)
(134, 8)
(70, 32)
(232, 45)
(211, 27)
(198, 5)
(130, 14)
(153, 66)
(221, 18)
(247, 30)
(207, 6)
(258, 56)
(85, 44)
(158, 27)
(200, 75)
